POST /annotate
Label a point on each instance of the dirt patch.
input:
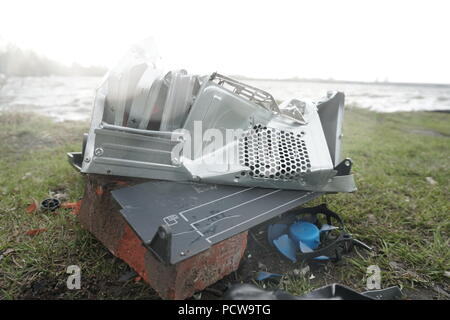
(47, 287)
(52, 286)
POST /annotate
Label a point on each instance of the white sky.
(352, 40)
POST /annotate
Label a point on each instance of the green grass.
(33, 162)
(395, 210)
(409, 217)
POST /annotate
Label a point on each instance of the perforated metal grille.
(271, 153)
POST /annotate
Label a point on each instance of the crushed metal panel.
(196, 215)
(331, 113)
(145, 124)
(269, 152)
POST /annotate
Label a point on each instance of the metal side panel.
(195, 216)
(331, 113)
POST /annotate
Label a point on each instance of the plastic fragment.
(262, 275)
(34, 232)
(327, 227)
(32, 207)
(287, 247)
(75, 206)
(274, 231)
(304, 247)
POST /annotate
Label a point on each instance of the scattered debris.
(32, 207)
(50, 204)
(301, 272)
(34, 232)
(431, 181)
(330, 292)
(61, 196)
(75, 206)
(304, 237)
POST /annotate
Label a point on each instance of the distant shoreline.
(101, 72)
(315, 80)
(96, 73)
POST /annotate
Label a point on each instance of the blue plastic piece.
(262, 275)
(301, 235)
(305, 232)
(274, 231)
(304, 248)
(287, 247)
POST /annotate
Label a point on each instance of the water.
(376, 97)
(62, 98)
(70, 98)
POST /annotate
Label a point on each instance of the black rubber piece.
(50, 204)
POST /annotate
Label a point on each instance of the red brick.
(99, 213)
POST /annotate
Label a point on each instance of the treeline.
(18, 62)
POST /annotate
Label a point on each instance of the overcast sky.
(352, 40)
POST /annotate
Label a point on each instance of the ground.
(401, 208)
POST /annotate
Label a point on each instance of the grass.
(395, 210)
(408, 221)
(34, 164)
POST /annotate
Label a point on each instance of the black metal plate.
(200, 215)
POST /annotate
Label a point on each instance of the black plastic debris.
(330, 292)
(50, 204)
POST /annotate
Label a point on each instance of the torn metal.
(181, 127)
(223, 156)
